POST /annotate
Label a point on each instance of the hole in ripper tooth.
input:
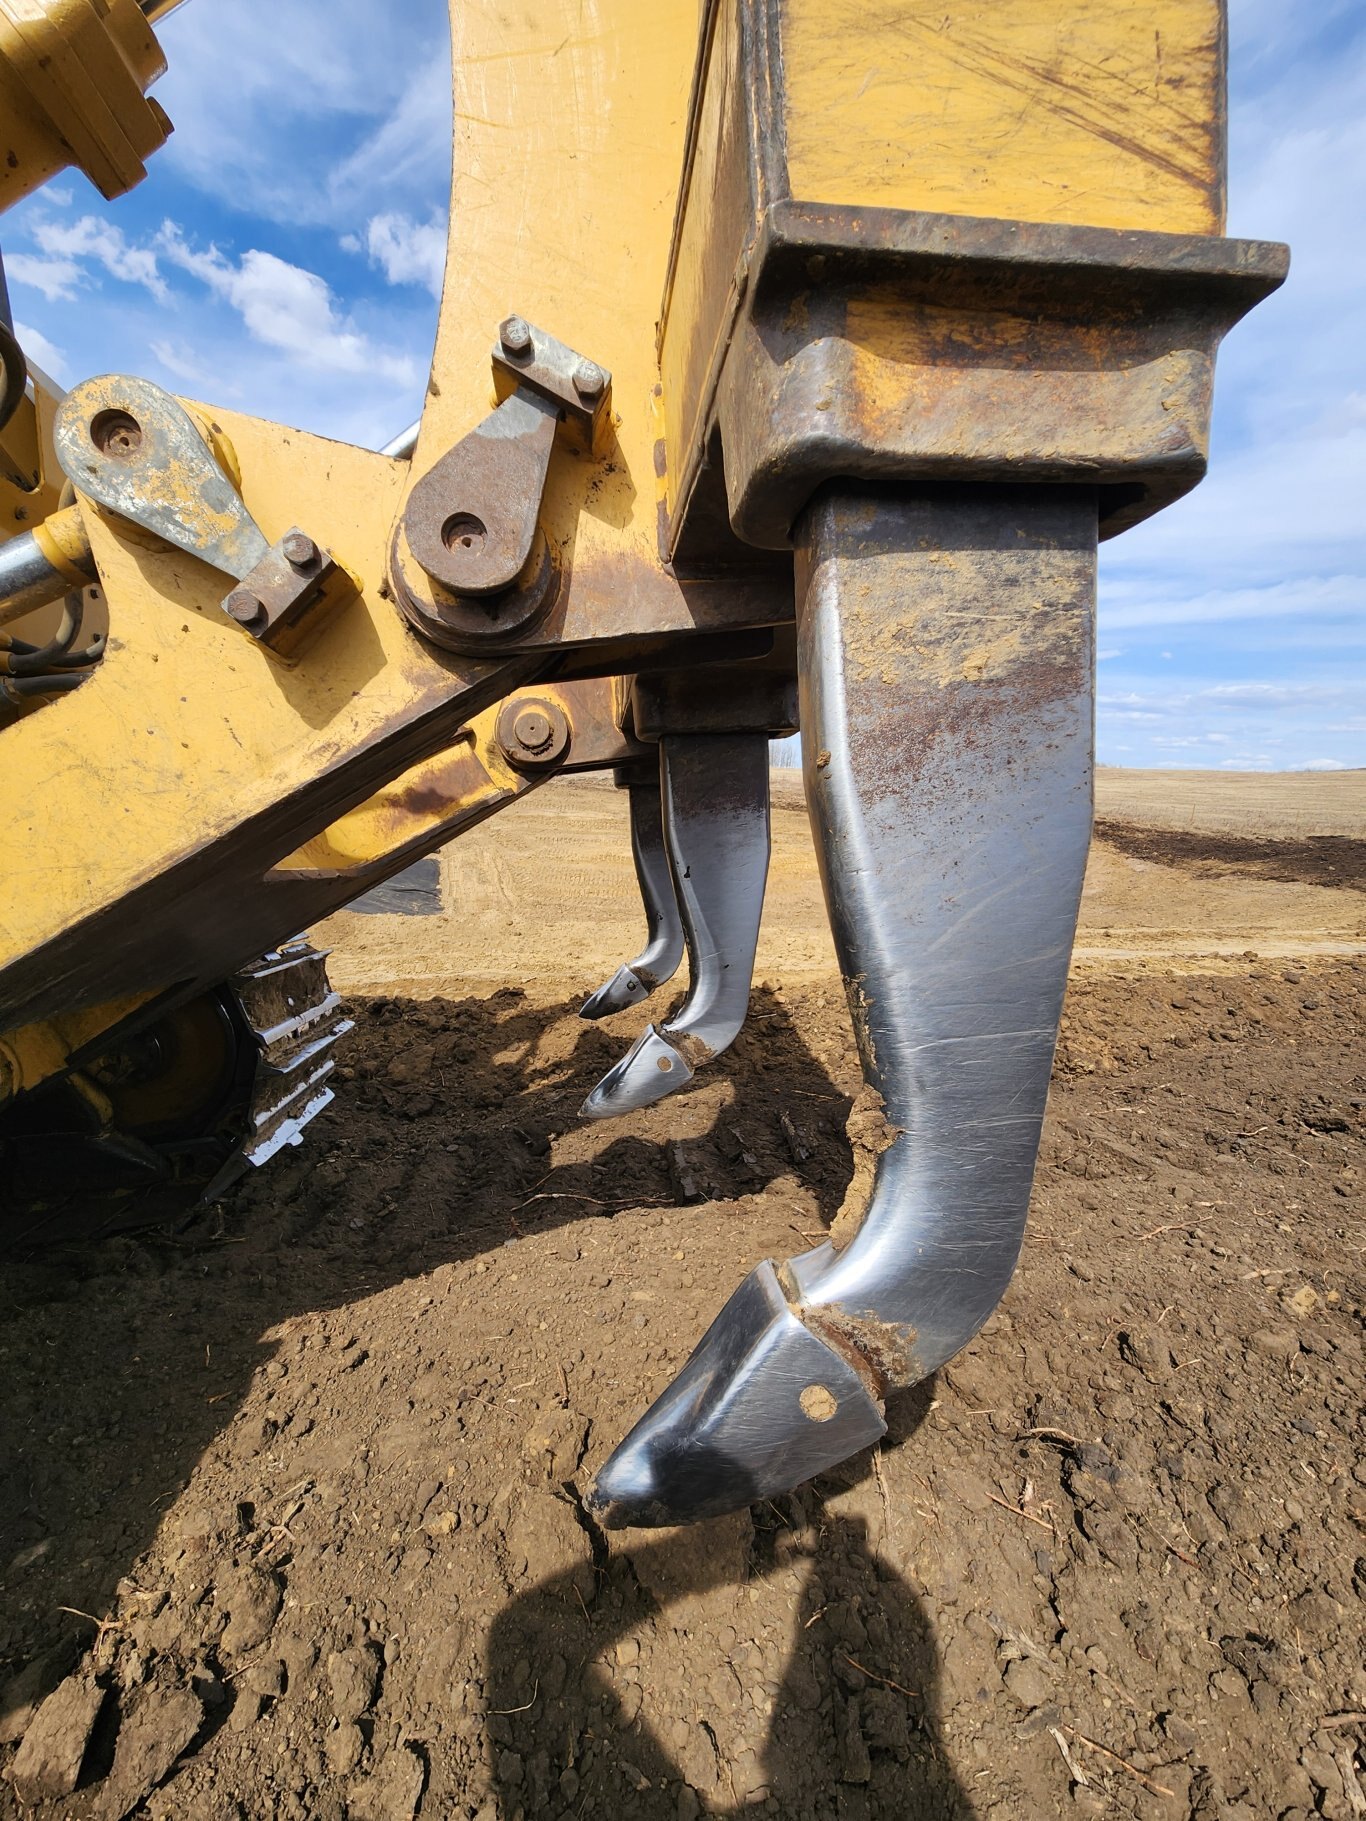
(664, 1065)
(818, 1403)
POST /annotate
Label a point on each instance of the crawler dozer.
(791, 362)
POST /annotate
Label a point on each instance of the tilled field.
(292, 1518)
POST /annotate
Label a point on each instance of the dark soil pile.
(1331, 860)
(291, 1503)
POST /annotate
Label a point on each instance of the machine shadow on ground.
(126, 1360)
(791, 1724)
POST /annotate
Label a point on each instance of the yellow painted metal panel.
(192, 727)
(569, 124)
(31, 1055)
(1105, 113)
(470, 775)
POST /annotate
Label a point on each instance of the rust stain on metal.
(618, 594)
(443, 792)
(883, 1351)
(694, 1050)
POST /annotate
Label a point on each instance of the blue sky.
(284, 257)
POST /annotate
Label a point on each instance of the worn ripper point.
(716, 826)
(658, 961)
(946, 652)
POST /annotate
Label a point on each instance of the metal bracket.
(285, 597)
(137, 452)
(471, 522)
(526, 359)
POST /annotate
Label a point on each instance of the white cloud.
(1147, 598)
(1236, 698)
(1322, 765)
(409, 252)
(1263, 567)
(99, 241)
(335, 116)
(283, 306)
(57, 279)
(286, 307)
(179, 362)
(411, 148)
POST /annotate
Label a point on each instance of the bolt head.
(515, 335)
(533, 735)
(243, 606)
(532, 729)
(589, 378)
(299, 549)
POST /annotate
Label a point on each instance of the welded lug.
(716, 826)
(658, 961)
(946, 653)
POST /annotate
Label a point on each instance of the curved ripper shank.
(716, 823)
(946, 651)
(658, 961)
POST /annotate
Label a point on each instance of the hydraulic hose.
(63, 684)
(15, 374)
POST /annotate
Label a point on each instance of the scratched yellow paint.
(466, 777)
(187, 727)
(701, 222)
(1105, 113)
(569, 124)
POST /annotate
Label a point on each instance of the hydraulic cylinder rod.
(27, 578)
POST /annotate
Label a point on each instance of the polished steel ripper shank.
(716, 828)
(658, 961)
(946, 656)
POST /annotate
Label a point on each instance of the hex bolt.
(532, 729)
(243, 606)
(299, 549)
(515, 335)
(589, 378)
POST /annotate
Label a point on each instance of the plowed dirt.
(291, 1514)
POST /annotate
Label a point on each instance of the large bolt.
(532, 729)
(299, 549)
(589, 378)
(515, 335)
(533, 735)
(243, 606)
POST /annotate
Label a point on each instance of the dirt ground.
(291, 1520)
